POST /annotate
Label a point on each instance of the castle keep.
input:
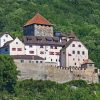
(43, 54)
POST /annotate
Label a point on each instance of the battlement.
(55, 73)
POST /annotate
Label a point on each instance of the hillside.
(47, 90)
(80, 16)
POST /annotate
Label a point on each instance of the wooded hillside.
(80, 16)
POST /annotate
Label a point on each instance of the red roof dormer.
(38, 19)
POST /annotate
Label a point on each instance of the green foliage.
(8, 73)
(78, 83)
(47, 90)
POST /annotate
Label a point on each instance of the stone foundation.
(54, 73)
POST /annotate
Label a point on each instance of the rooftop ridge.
(38, 19)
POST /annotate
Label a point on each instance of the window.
(31, 52)
(41, 52)
(51, 47)
(78, 59)
(13, 49)
(6, 49)
(73, 52)
(79, 45)
(6, 35)
(36, 61)
(16, 42)
(45, 58)
(55, 47)
(75, 63)
(90, 64)
(78, 52)
(22, 61)
(40, 61)
(51, 53)
(57, 53)
(83, 52)
(56, 60)
(41, 46)
(73, 45)
(51, 59)
(30, 61)
(30, 46)
(19, 49)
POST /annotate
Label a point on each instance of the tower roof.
(38, 19)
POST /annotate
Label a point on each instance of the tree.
(8, 73)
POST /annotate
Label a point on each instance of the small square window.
(40, 61)
(31, 52)
(6, 49)
(83, 52)
(22, 61)
(55, 47)
(19, 49)
(73, 45)
(36, 61)
(30, 46)
(6, 35)
(73, 52)
(78, 52)
(13, 49)
(51, 47)
(30, 61)
(78, 59)
(16, 42)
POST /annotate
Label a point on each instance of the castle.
(43, 54)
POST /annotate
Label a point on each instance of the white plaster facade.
(5, 38)
(51, 54)
(15, 47)
(74, 54)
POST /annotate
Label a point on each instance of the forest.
(79, 16)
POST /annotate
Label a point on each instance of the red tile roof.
(87, 61)
(38, 19)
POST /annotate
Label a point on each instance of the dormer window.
(73, 45)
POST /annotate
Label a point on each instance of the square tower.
(38, 26)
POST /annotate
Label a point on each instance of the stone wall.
(53, 73)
